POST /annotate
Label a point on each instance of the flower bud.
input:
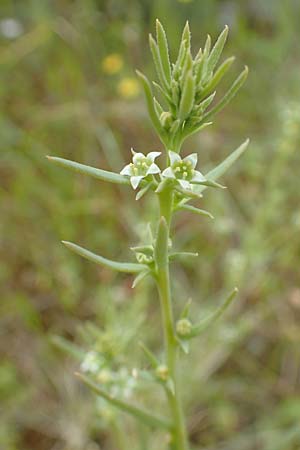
(183, 327)
(162, 373)
(166, 119)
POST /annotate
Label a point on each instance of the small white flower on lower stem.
(183, 170)
(141, 166)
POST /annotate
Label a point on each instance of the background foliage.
(67, 87)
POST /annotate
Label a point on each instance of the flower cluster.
(181, 171)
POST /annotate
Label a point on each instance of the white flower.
(141, 166)
(91, 363)
(183, 170)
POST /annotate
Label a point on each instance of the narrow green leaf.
(138, 413)
(158, 62)
(163, 50)
(150, 104)
(186, 35)
(229, 95)
(170, 386)
(210, 320)
(184, 345)
(161, 245)
(217, 50)
(187, 68)
(201, 69)
(150, 356)
(176, 255)
(184, 48)
(193, 209)
(186, 310)
(143, 191)
(100, 174)
(188, 97)
(217, 77)
(209, 183)
(164, 94)
(68, 347)
(205, 103)
(189, 130)
(139, 278)
(188, 193)
(119, 266)
(218, 171)
(207, 45)
(158, 108)
(180, 60)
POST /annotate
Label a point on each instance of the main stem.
(179, 438)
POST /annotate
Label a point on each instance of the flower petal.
(185, 184)
(174, 157)
(153, 155)
(153, 169)
(193, 158)
(135, 181)
(168, 173)
(198, 177)
(137, 156)
(126, 170)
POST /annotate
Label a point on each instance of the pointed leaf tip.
(115, 265)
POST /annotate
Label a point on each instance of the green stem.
(171, 348)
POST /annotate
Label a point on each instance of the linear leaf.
(68, 347)
(140, 414)
(158, 62)
(119, 266)
(217, 50)
(139, 278)
(229, 95)
(150, 356)
(176, 255)
(188, 96)
(210, 320)
(219, 74)
(100, 174)
(193, 209)
(161, 246)
(163, 50)
(219, 170)
(150, 103)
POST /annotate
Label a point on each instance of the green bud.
(162, 373)
(183, 327)
(188, 97)
(166, 120)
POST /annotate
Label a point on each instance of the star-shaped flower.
(183, 170)
(141, 166)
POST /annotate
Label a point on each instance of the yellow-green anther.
(188, 97)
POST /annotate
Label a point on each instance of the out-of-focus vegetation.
(67, 87)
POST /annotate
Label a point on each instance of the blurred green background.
(68, 88)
